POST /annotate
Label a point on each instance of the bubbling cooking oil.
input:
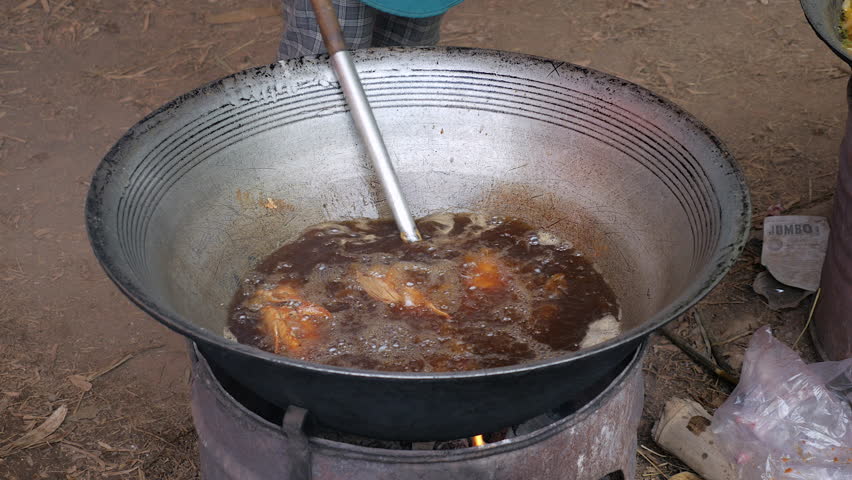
(478, 292)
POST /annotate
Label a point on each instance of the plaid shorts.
(363, 27)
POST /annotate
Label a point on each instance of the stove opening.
(617, 475)
(477, 441)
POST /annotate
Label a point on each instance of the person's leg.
(393, 31)
(301, 33)
(833, 313)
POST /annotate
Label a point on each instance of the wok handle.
(332, 35)
(362, 116)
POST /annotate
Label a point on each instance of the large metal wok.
(178, 210)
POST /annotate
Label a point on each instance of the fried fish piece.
(483, 270)
(556, 283)
(287, 317)
(387, 284)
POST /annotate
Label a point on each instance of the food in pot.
(477, 292)
(846, 24)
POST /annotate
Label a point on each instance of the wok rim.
(814, 15)
(183, 326)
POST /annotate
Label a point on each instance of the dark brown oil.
(540, 301)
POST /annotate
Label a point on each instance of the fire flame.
(477, 441)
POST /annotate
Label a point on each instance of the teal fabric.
(413, 8)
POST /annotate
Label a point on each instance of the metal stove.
(243, 437)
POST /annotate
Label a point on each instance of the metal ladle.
(362, 114)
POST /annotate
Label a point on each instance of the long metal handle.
(362, 114)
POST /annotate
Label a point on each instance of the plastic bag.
(786, 419)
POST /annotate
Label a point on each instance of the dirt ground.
(75, 74)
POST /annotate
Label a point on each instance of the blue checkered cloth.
(363, 27)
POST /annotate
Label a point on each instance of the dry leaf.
(90, 31)
(41, 232)
(38, 434)
(12, 137)
(24, 5)
(146, 22)
(80, 382)
(243, 15)
(116, 364)
(640, 3)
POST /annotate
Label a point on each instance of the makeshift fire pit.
(250, 439)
